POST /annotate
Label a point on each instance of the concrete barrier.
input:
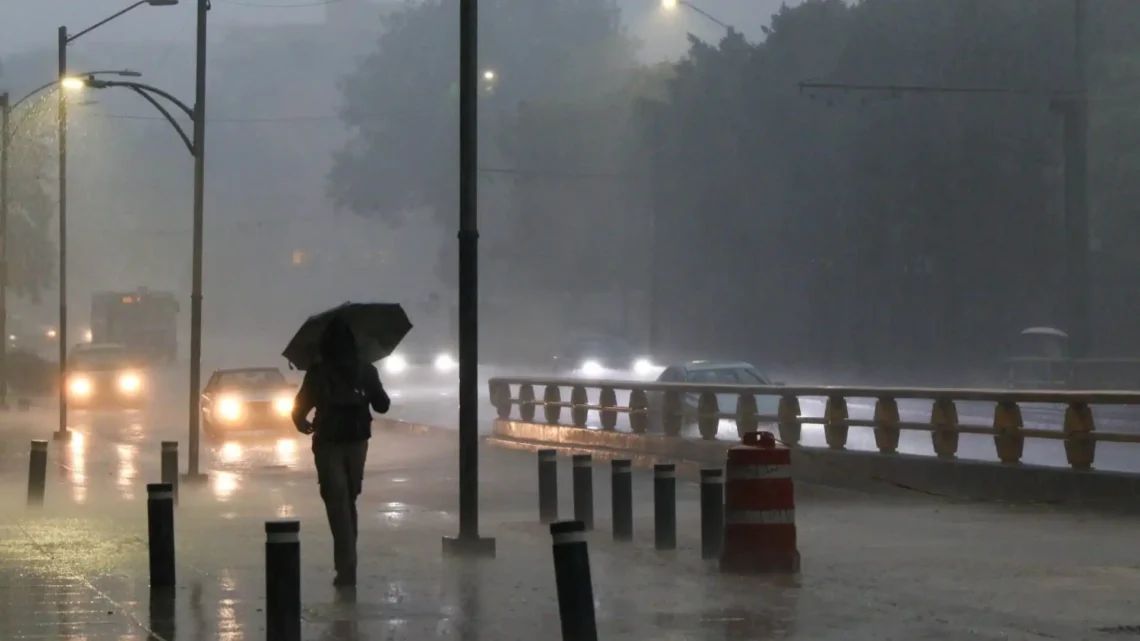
(864, 471)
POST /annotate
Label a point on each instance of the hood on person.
(338, 344)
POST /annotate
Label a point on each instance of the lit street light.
(63, 39)
(7, 133)
(672, 5)
(489, 75)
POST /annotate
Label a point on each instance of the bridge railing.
(664, 406)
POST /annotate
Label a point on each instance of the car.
(420, 362)
(247, 399)
(105, 376)
(601, 356)
(710, 373)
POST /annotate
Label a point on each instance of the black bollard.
(665, 506)
(160, 534)
(170, 466)
(572, 579)
(547, 486)
(283, 580)
(37, 473)
(162, 613)
(712, 513)
(621, 489)
(584, 490)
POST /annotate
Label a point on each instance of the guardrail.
(652, 403)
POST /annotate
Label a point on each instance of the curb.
(868, 472)
(409, 427)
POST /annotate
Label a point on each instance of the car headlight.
(130, 383)
(591, 367)
(230, 408)
(445, 363)
(395, 364)
(283, 406)
(80, 386)
(643, 367)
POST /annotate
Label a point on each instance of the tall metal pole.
(5, 135)
(655, 234)
(1076, 195)
(468, 543)
(62, 434)
(193, 473)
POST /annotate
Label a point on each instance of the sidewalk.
(907, 568)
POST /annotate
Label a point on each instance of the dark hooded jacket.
(340, 387)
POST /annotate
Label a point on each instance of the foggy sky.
(32, 24)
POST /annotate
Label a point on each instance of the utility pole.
(655, 201)
(1078, 280)
(468, 543)
(5, 135)
(193, 474)
(62, 434)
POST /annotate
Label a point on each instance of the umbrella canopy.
(378, 327)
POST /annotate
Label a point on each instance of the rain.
(825, 200)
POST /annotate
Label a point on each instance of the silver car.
(710, 373)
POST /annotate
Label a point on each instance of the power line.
(272, 119)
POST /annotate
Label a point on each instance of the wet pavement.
(906, 567)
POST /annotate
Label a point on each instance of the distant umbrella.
(378, 327)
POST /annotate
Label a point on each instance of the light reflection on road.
(75, 466)
(126, 471)
(224, 484)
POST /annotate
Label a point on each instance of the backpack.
(342, 407)
(340, 390)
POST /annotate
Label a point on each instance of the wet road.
(899, 567)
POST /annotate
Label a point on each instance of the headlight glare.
(80, 386)
(591, 367)
(230, 408)
(643, 367)
(395, 364)
(445, 363)
(130, 383)
(283, 406)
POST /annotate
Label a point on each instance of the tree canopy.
(402, 101)
(915, 225)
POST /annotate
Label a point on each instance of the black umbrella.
(379, 328)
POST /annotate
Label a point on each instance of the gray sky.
(32, 24)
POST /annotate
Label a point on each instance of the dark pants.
(340, 472)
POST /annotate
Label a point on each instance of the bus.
(143, 320)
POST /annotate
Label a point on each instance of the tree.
(875, 227)
(30, 246)
(402, 101)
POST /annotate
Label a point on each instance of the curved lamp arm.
(169, 118)
(145, 91)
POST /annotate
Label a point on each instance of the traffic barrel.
(760, 508)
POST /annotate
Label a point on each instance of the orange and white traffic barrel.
(760, 508)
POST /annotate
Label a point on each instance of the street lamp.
(195, 144)
(672, 5)
(7, 133)
(63, 39)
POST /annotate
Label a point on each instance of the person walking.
(339, 389)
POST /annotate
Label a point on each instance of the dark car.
(250, 398)
(105, 376)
